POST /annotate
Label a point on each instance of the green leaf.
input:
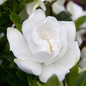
(71, 78)
(39, 84)
(81, 78)
(14, 6)
(2, 44)
(15, 18)
(53, 81)
(80, 21)
(31, 80)
(83, 83)
(18, 26)
(4, 20)
(63, 16)
(19, 83)
(24, 2)
(21, 75)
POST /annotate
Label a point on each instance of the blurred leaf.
(39, 84)
(63, 16)
(21, 75)
(2, 44)
(81, 79)
(31, 80)
(24, 2)
(16, 20)
(71, 78)
(80, 21)
(53, 81)
(83, 1)
(19, 83)
(83, 83)
(18, 26)
(4, 20)
(14, 6)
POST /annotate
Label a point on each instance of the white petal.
(34, 47)
(17, 44)
(42, 56)
(82, 63)
(42, 5)
(60, 2)
(35, 18)
(29, 66)
(72, 8)
(49, 29)
(79, 35)
(2, 1)
(70, 29)
(31, 7)
(83, 53)
(71, 56)
(57, 8)
(49, 70)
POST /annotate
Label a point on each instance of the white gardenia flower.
(2, 1)
(31, 7)
(58, 6)
(46, 46)
(82, 63)
(75, 10)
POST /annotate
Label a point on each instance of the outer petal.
(29, 66)
(71, 57)
(72, 8)
(49, 70)
(70, 29)
(34, 19)
(17, 44)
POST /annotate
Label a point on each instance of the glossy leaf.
(31, 79)
(53, 81)
(81, 78)
(83, 83)
(71, 78)
(63, 16)
(80, 21)
(16, 20)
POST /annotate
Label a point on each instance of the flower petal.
(60, 2)
(42, 56)
(49, 70)
(70, 29)
(29, 66)
(2, 1)
(35, 18)
(42, 5)
(72, 8)
(57, 8)
(17, 44)
(71, 56)
(31, 7)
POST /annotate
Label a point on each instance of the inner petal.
(47, 31)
